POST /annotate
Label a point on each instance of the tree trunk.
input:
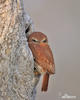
(16, 60)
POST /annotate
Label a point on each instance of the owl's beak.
(42, 44)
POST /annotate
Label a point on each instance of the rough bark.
(16, 60)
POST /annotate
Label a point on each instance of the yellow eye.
(34, 40)
(44, 40)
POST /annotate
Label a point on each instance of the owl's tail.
(45, 82)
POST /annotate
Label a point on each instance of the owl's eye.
(45, 40)
(34, 40)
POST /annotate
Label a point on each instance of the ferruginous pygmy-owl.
(43, 57)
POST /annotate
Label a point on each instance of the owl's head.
(37, 37)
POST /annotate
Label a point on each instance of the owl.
(43, 57)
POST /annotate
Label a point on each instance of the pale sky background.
(60, 21)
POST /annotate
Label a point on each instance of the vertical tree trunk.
(16, 60)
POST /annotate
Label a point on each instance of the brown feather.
(45, 82)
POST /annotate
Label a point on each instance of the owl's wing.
(45, 58)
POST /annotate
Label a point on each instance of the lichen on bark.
(16, 60)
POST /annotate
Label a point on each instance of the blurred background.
(60, 21)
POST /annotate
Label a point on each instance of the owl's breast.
(43, 57)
